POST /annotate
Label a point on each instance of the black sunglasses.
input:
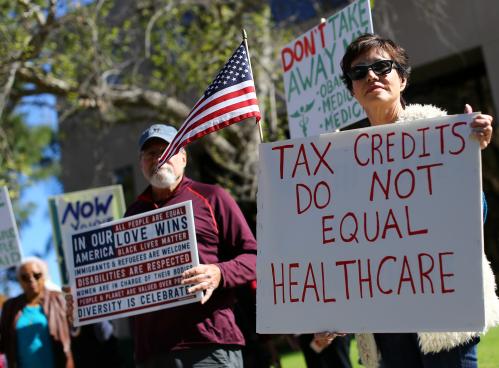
(380, 67)
(26, 277)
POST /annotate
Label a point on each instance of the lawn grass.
(488, 349)
(488, 353)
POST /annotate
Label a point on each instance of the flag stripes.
(229, 99)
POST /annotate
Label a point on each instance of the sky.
(38, 231)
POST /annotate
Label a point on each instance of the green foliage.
(96, 54)
(488, 354)
(12, 36)
(25, 157)
(197, 46)
(173, 47)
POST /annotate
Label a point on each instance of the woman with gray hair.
(34, 331)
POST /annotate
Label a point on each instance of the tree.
(147, 58)
(26, 153)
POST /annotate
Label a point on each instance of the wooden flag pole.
(245, 39)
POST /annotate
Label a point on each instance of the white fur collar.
(417, 111)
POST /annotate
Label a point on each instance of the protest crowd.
(201, 249)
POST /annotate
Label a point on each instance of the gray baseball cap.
(161, 131)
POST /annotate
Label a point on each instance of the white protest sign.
(316, 98)
(134, 265)
(10, 246)
(75, 211)
(372, 230)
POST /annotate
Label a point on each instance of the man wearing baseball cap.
(199, 334)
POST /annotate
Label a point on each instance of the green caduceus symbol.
(301, 113)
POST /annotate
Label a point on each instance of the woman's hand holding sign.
(205, 277)
(482, 127)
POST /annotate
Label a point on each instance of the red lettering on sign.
(442, 274)
(313, 285)
(461, 138)
(423, 273)
(281, 157)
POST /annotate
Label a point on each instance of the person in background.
(376, 72)
(98, 339)
(34, 330)
(201, 334)
(318, 354)
(260, 350)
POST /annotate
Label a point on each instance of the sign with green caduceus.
(301, 114)
(316, 98)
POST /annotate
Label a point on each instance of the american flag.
(229, 98)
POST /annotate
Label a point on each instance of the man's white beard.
(163, 178)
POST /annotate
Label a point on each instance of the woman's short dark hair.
(367, 42)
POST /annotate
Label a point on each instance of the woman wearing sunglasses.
(34, 331)
(376, 72)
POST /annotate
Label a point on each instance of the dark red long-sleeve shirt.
(223, 238)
